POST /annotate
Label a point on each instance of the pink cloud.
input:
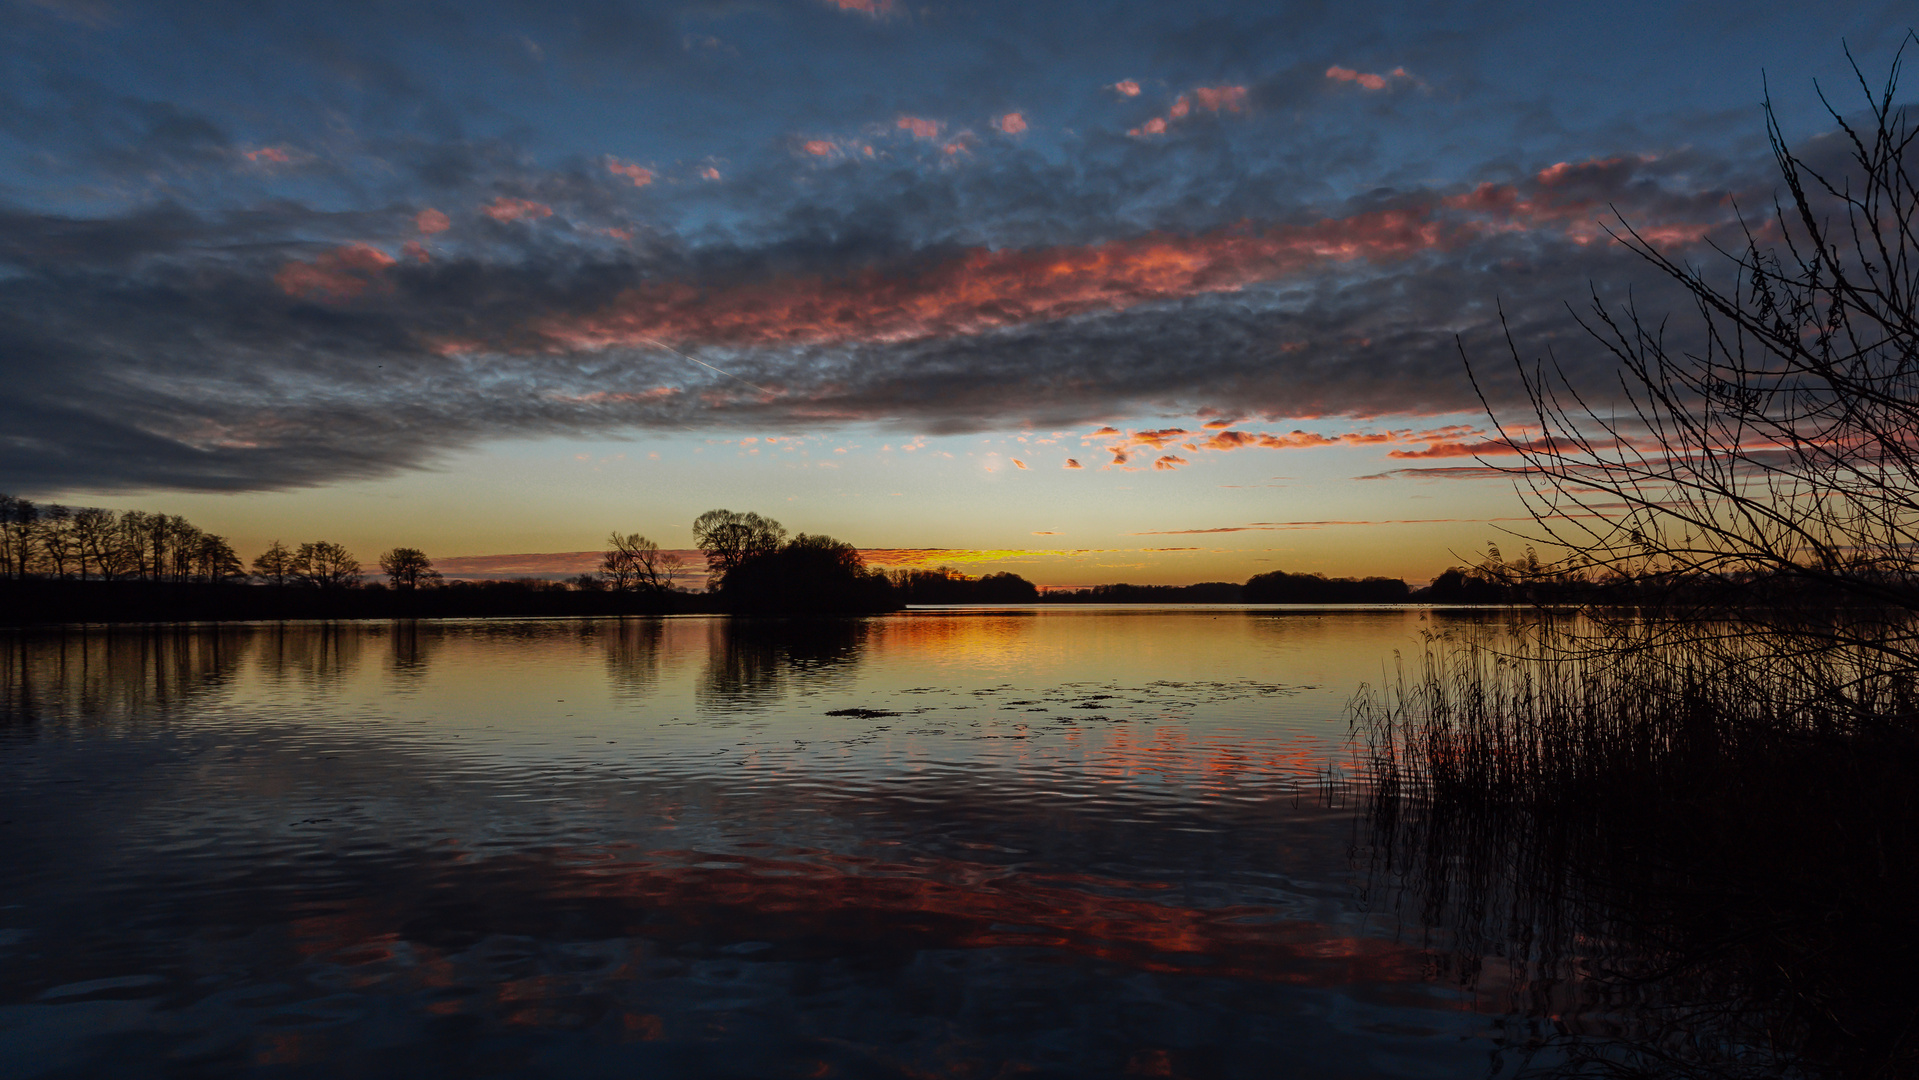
(275, 154)
(978, 289)
(639, 174)
(709, 173)
(876, 9)
(1366, 80)
(1127, 88)
(416, 251)
(1214, 99)
(336, 276)
(1012, 123)
(921, 129)
(1220, 98)
(820, 147)
(431, 221)
(506, 209)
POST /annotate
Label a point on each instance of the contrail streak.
(663, 345)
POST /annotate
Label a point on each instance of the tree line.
(752, 566)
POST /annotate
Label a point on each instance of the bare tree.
(275, 565)
(1780, 445)
(729, 539)
(408, 568)
(58, 549)
(19, 535)
(634, 562)
(97, 532)
(215, 561)
(325, 565)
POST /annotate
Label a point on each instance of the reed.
(1673, 847)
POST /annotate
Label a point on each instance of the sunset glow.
(1142, 285)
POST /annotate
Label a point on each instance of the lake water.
(972, 843)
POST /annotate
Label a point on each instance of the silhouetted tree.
(730, 538)
(632, 562)
(1279, 587)
(19, 528)
(96, 536)
(946, 585)
(215, 561)
(808, 575)
(1778, 444)
(275, 565)
(408, 568)
(58, 550)
(325, 565)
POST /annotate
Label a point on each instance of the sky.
(1085, 291)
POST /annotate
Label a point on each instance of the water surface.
(1055, 842)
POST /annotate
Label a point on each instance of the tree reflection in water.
(115, 674)
(753, 663)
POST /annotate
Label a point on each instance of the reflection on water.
(1068, 843)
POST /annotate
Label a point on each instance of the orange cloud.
(1219, 98)
(506, 209)
(1169, 462)
(639, 174)
(1210, 98)
(921, 129)
(1018, 462)
(877, 9)
(336, 276)
(431, 221)
(982, 288)
(1127, 88)
(1073, 463)
(1364, 79)
(1012, 123)
(275, 154)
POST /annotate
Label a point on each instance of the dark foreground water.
(1064, 842)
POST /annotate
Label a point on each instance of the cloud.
(920, 128)
(336, 276)
(1012, 123)
(1368, 81)
(1169, 462)
(510, 209)
(638, 174)
(1017, 462)
(980, 289)
(1212, 99)
(283, 346)
(876, 9)
(277, 155)
(1072, 463)
(708, 172)
(1126, 88)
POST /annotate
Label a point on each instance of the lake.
(1054, 841)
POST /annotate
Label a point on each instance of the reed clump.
(1674, 847)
